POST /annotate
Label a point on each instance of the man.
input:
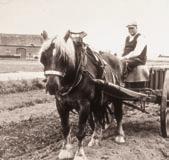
(135, 50)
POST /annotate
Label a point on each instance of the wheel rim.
(164, 115)
(167, 121)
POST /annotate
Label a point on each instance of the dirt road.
(30, 130)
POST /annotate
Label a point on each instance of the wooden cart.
(156, 90)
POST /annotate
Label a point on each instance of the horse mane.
(64, 48)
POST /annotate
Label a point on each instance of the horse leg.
(66, 151)
(110, 116)
(96, 136)
(97, 132)
(93, 127)
(83, 116)
(102, 121)
(120, 138)
(91, 121)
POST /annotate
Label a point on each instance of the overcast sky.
(103, 20)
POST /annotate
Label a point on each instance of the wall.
(31, 51)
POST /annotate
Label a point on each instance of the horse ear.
(44, 35)
(83, 34)
(67, 35)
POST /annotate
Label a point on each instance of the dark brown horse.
(69, 69)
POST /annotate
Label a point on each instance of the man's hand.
(123, 58)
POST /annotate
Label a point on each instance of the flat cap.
(132, 24)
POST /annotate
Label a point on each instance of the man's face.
(132, 30)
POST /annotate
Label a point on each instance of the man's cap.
(132, 24)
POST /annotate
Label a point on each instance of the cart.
(156, 91)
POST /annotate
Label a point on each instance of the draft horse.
(69, 68)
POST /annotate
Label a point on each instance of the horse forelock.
(64, 47)
(45, 46)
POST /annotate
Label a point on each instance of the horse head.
(58, 58)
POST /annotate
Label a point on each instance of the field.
(30, 127)
(8, 66)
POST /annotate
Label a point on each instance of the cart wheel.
(164, 109)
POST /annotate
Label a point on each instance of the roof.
(20, 39)
(163, 56)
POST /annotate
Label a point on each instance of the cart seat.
(139, 74)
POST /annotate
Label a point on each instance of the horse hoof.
(106, 126)
(91, 143)
(80, 155)
(94, 142)
(66, 154)
(120, 139)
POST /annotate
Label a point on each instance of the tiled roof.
(20, 39)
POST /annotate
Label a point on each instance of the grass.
(24, 99)
(15, 65)
(29, 103)
(20, 86)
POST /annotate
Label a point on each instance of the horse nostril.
(52, 89)
(51, 86)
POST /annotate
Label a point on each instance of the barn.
(21, 46)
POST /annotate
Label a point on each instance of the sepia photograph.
(84, 80)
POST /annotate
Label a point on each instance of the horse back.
(115, 64)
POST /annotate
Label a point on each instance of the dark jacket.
(131, 45)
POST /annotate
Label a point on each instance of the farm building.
(19, 46)
(163, 56)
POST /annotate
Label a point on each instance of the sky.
(103, 20)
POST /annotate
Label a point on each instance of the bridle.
(54, 73)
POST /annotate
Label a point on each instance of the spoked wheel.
(164, 109)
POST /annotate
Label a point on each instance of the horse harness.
(82, 51)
